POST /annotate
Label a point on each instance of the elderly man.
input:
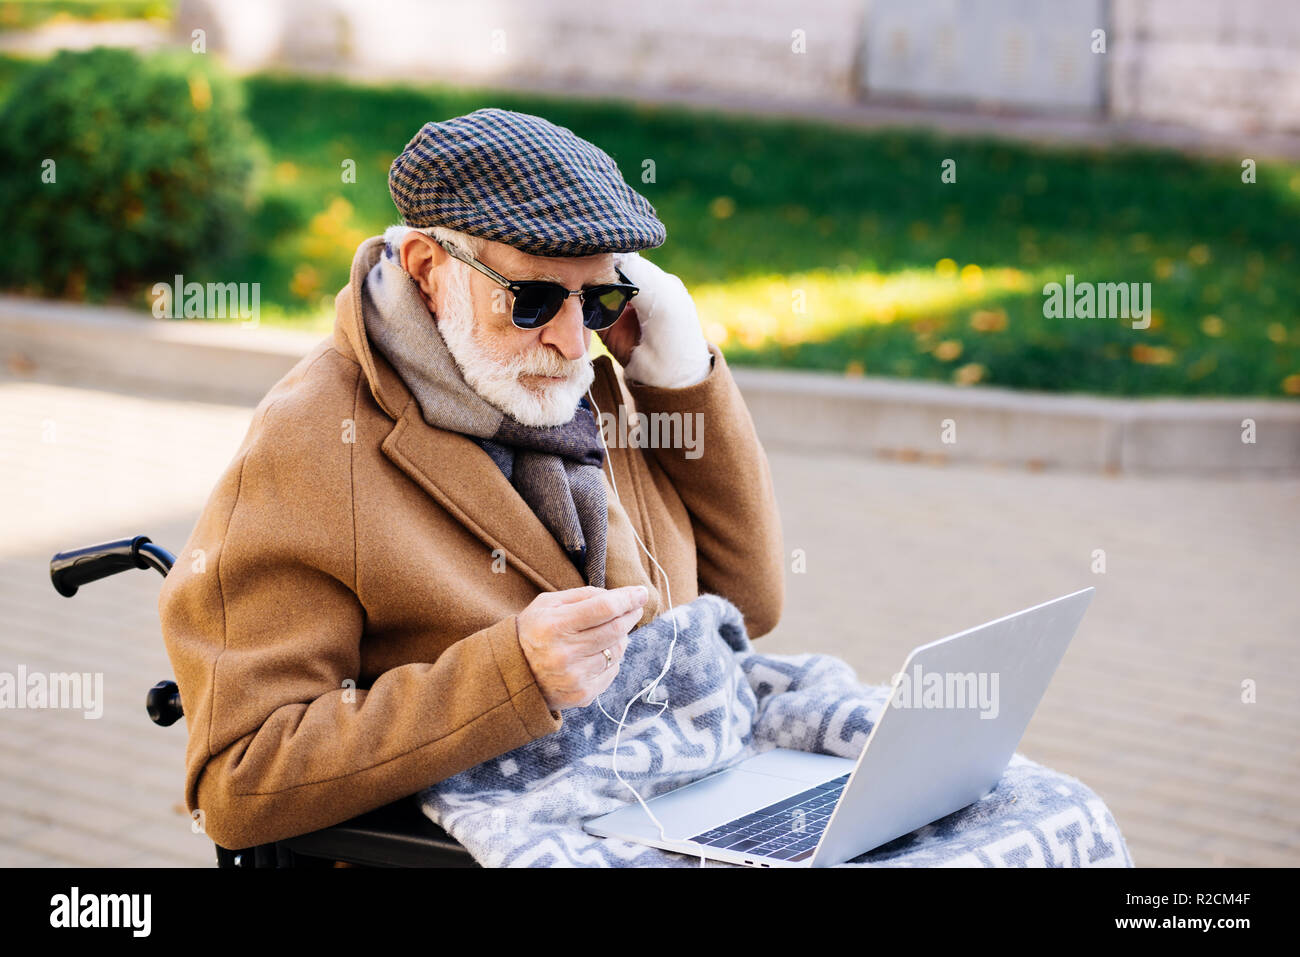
(430, 543)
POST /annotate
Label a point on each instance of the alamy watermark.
(75, 909)
(947, 689)
(38, 690)
(1092, 300)
(213, 300)
(657, 430)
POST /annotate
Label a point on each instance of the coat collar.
(448, 466)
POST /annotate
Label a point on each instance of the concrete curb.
(198, 360)
(908, 420)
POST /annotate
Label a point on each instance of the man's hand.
(658, 340)
(564, 635)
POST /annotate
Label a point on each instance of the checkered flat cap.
(520, 180)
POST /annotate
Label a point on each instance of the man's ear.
(419, 255)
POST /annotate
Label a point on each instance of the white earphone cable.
(653, 685)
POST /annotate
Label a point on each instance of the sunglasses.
(537, 302)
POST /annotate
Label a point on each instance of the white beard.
(497, 379)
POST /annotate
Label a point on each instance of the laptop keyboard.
(787, 831)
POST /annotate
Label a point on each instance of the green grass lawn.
(816, 246)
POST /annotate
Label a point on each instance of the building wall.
(1220, 65)
(1217, 65)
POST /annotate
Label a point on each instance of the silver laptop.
(956, 713)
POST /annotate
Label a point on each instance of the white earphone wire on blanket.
(653, 685)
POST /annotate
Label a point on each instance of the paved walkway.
(1198, 595)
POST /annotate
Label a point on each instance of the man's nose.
(566, 331)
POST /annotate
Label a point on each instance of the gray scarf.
(557, 470)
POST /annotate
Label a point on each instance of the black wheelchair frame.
(397, 835)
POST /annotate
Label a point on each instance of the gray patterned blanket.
(727, 703)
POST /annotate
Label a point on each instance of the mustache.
(543, 361)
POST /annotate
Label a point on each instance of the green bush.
(152, 172)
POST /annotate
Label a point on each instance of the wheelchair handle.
(163, 703)
(71, 569)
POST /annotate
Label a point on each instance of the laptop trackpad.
(799, 765)
(718, 798)
(698, 807)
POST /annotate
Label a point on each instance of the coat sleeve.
(264, 628)
(726, 485)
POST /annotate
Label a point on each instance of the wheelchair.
(397, 835)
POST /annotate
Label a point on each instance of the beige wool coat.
(341, 620)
